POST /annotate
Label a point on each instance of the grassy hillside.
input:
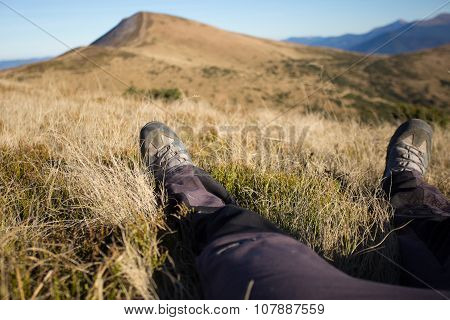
(79, 215)
(154, 52)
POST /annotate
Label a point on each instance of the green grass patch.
(327, 215)
(165, 94)
(214, 72)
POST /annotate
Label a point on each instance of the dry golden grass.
(79, 216)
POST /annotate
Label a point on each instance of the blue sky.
(81, 22)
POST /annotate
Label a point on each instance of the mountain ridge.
(347, 40)
(13, 63)
(416, 35)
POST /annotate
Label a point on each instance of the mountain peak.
(132, 30)
(400, 21)
(161, 35)
(127, 30)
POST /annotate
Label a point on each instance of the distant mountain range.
(6, 64)
(420, 35)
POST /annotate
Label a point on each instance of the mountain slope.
(419, 35)
(156, 52)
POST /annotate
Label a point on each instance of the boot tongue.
(159, 140)
(166, 140)
(419, 140)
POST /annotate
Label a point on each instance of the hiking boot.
(161, 149)
(409, 148)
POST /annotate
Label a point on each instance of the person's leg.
(422, 209)
(242, 255)
(263, 265)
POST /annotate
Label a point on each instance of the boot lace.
(411, 157)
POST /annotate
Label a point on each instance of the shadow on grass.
(178, 278)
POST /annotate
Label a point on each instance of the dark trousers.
(422, 213)
(242, 255)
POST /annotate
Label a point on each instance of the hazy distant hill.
(6, 64)
(154, 51)
(420, 35)
(348, 41)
